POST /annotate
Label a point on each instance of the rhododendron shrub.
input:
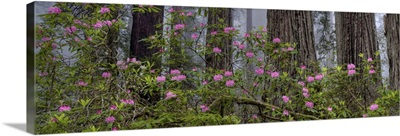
(95, 90)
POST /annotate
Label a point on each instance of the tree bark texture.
(392, 32)
(355, 34)
(294, 27)
(144, 25)
(225, 61)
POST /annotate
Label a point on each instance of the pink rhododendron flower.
(178, 78)
(175, 72)
(204, 82)
(258, 36)
(351, 72)
(181, 77)
(228, 73)
(218, 77)
(120, 63)
(171, 10)
(114, 129)
(104, 10)
(64, 108)
(214, 32)
(98, 25)
(373, 107)
(179, 26)
(133, 60)
(161, 79)
(305, 90)
(113, 107)
(106, 74)
(70, 30)
(260, 59)
(202, 24)
(54, 119)
(285, 112)
(189, 14)
(290, 49)
(250, 54)
(246, 35)
(217, 50)
(301, 83)
(254, 117)
(129, 102)
(54, 10)
(81, 83)
(195, 36)
(369, 59)
(236, 43)
(275, 74)
(110, 119)
(76, 21)
(77, 39)
(230, 83)
(276, 40)
(351, 66)
(54, 46)
(306, 95)
(310, 105)
(170, 95)
(285, 99)
(264, 29)
(371, 71)
(204, 108)
(229, 29)
(98, 112)
(46, 39)
(241, 46)
(310, 79)
(319, 76)
(89, 39)
(329, 108)
(259, 71)
(108, 23)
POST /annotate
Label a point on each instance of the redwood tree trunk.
(225, 61)
(144, 25)
(294, 27)
(392, 31)
(355, 34)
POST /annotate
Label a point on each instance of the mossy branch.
(242, 100)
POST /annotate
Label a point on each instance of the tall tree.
(392, 32)
(215, 15)
(356, 34)
(294, 27)
(144, 25)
